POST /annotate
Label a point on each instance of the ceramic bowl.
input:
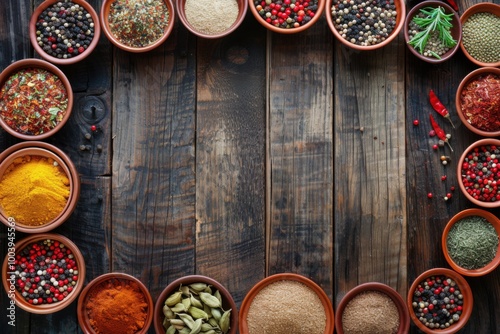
(486, 143)
(483, 7)
(459, 104)
(42, 149)
(77, 55)
(203, 29)
(493, 220)
(404, 318)
(317, 14)
(464, 289)
(227, 300)
(24, 65)
(257, 288)
(109, 281)
(400, 18)
(10, 279)
(456, 30)
(130, 47)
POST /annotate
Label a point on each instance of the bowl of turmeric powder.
(39, 187)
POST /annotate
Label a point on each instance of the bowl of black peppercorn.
(64, 31)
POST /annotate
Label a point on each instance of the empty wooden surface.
(256, 154)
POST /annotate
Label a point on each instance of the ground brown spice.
(211, 16)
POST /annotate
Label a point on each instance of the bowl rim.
(464, 288)
(103, 17)
(242, 10)
(493, 220)
(64, 61)
(476, 8)
(400, 7)
(44, 149)
(228, 299)
(82, 319)
(47, 308)
(449, 10)
(480, 142)
(404, 323)
(458, 105)
(316, 17)
(45, 65)
(325, 300)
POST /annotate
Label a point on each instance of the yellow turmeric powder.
(34, 190)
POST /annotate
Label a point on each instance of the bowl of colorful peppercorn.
(195, 303)
(478, 101)
(440, 301)
(470, 242)
(367, 25)
(39, 187)
(64, 31)
(43, 273)
(137, 25)
(477, 172)
(36, 99)
(433, 31)
(372, 307)
(481, 40)
(286, 16)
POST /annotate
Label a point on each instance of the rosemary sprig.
(435, 19)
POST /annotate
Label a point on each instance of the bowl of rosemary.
(433, 31)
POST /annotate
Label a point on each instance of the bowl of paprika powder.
(39, 187)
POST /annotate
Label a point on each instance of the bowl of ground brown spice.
(373, 308)
(39, 187)
(286, 303)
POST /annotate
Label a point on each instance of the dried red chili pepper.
(439, 132)
(439, 107)
(453, 4)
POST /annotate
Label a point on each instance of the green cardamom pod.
(208, 310)
(185, 330)
(174, 299)
(177, 322)
(186, 302)
(206, 327)
(196, 302)
(198, 286)
(198, 313)
(216, 313)
(197, 326)
(167, 312)
(185, 290)
(209, 299)
(171, 330)
(213, 322)
(218, 296)
(187, 319)
(224, 321)
(179, 307)
(208, 289)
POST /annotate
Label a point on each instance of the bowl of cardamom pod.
(195, 304)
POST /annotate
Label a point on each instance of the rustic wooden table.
(256, 154)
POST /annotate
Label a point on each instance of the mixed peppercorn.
(481, 173)
(287, 14)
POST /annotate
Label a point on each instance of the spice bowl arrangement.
(276, 305)
(57, 280)
(36, 99)
(115, 303)
(481, 40)
(135, 25)
(470, 242)
(372, 307)
(440, 301)
(365, 27)
(211, 24)
(433, 31)
(285, 17)
(39, 187)
(64, 31)
(195, 303)
(478, 101)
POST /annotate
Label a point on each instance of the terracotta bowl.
(43, 308)
(314, 19)
(181, 12)
(104, 17)
(227, 300)
(487, 142)
(462, 285)
(456, 30)
(74, 58)
(46, 150)
(458, 100)
(493, 220)
(257, 288)
(33, 63)
(106, 281)
(479, 8)
(401, 13)
(404, 318)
